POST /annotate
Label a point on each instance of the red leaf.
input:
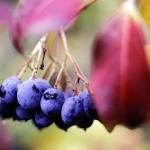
(41, 16)
(6, 11)
(120, 75)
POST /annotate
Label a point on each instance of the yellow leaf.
(145, 10)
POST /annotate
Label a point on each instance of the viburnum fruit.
(29, 94)
(22, 114)
(44, 84)
(85, 122)
(88, 105)
(60, 123)
(72, 111)
(41, 120)
(68, 93)
(120, 72)
(52, 101)
(8, 90)
(6, 111)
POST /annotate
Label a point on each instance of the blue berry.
(72, 110)
(41, 120)
(6, 111)
(8, 90)
(89, 106)
(12, 80)
(44, 84)
(22, 114)
(68, 93)
(85, 122)
(52, 101)
(29, 94)
(60, 123)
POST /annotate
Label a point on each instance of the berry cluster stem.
(60, 72)
(30, 58)
(76, 67)
(41, 53)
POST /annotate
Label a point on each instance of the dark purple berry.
(29, 94)
(60, 124)
(89, 106)
(52, 101)
(6, 111)
(22, 114)
(41, 120)
(72, 110)
(44, 84)
(85, 122)
(8, 90)
(68, 93)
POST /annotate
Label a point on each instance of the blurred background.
(24, 136)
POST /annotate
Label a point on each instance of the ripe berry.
(40, 120)
(22, 114)
(8, 90)
(88, 104)
(52, 101)
(85, 122)
(29, 94)
(44, 84)
(6, 111)
(60, 123)
(68, 93)
(72, 110)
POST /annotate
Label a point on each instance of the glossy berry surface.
(44, 84)
(72, 110)
(29, 94)
(8, 90)
(88, 104)
(22, 114)
(52, 101)
(41, 120)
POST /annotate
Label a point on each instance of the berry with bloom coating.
(88, 104)
(44, 84)
(68, 93)
(40, 120)
(72, 110)
(22, 114)
(8, 90)
(52, 101)
(6, 111)
(29, 94)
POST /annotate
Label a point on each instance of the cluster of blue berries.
(37, 100)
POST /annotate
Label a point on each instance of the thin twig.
(40, 55)
(46, 70)
(60, 72)
(33, 54)
(72, 60)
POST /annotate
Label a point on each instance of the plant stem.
(46, 70)
(29, 59)
(41, 54)
(60, 72)
(78, 71)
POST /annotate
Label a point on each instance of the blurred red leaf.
(6, 13)
(41, 16)
(120, 74)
